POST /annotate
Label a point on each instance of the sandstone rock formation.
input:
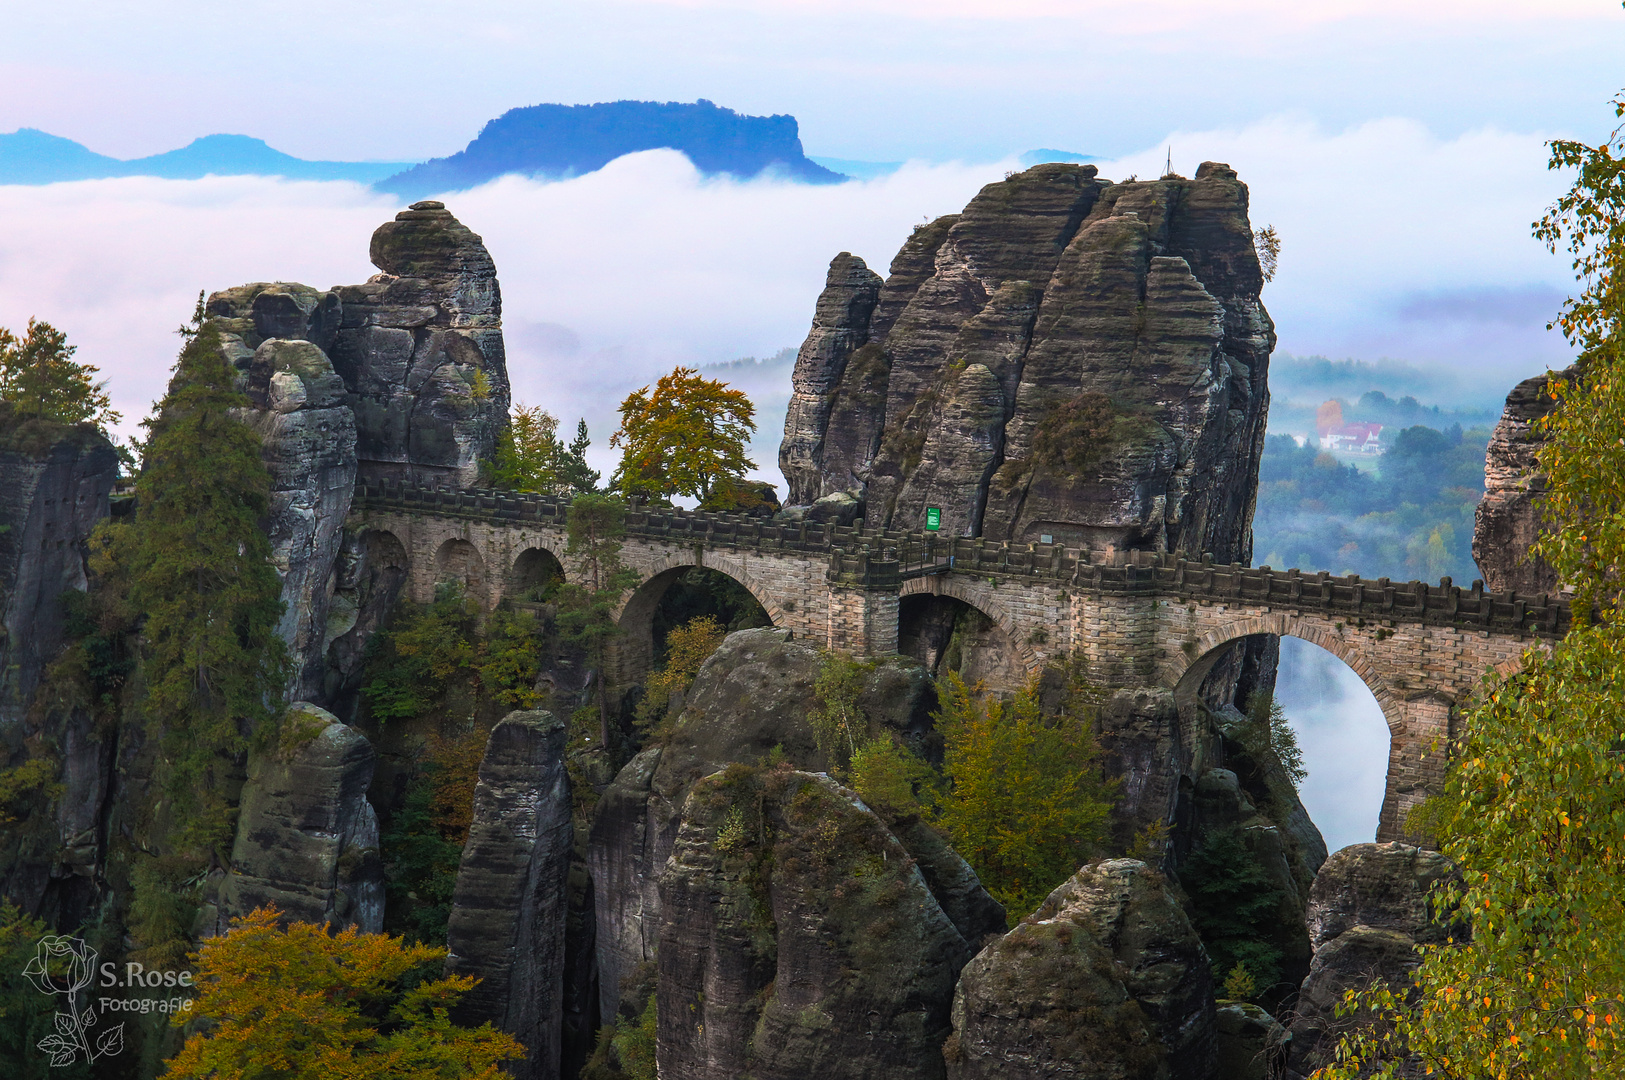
(798, 938)
(1250, 1042)
(54, 485)
(1368, 910)
(404, 377)
(1508, 521)
(309, 437)
(1067, 358)
(748, 701)
(307, 838)
(1107, 979)
(509, 910)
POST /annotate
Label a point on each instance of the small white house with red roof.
(1353, 439)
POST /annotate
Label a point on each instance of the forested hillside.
(1410, 518)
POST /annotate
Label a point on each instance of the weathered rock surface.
(402, 377)
(1507, 522)
(748, 700)
(309, 441)
(1066, 358)
(307, 839)
(798, 938)
(1250, 1042)
(1107, 979)
(54, 485)
(508, 916)
(1368, 910)
(840, 326)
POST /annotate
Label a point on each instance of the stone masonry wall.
(1141, 622)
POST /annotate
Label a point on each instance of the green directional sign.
(933, 518)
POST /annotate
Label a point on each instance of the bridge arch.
(460, 561)
(1022, 660)
(534, 569)
(1192, 665)
(635, 648)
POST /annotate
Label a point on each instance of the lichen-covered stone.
(307, 838)
(1368, 912)
(309, 442)
(798, 938)
(1116, 352)
(1107, 980)
(749, 701)
(1507, 522)
(510, 906)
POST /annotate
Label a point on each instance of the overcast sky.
(1397, 146)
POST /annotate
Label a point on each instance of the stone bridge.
(1141, 620)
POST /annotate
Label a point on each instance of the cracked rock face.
(1507, 522)
(1066, 358)
(402, 377)
(1107, 979)
(55, 480)
(1368, 911)
(748, 699)
(509, 910)
(307, 838)
(798, 937)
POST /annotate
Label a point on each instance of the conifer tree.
(200, 573)
(39, 377)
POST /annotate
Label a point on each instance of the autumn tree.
(530, 456)
(1533, 812)
(587, 606)
(685, 437)
(687, 647)
(40, 378)
(302, 1004)
(1026, 803)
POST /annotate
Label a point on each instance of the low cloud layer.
(1395, 244)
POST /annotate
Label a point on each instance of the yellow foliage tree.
(1027, 802)
(301, 1004)
(683, 438)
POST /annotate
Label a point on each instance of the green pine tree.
(200, 572)
(574, 473)
(40, 378)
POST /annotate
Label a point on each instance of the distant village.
(1346, 438)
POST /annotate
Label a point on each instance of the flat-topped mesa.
(1067, 361)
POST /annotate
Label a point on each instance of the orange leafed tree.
(301, 1004)
(682, 438)
(1329, 417)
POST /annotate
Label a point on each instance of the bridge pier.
(862, 621)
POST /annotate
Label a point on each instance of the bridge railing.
(885, 558)
(1362, 600)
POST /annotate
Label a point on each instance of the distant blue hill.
(556, 141)
(34, 157)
